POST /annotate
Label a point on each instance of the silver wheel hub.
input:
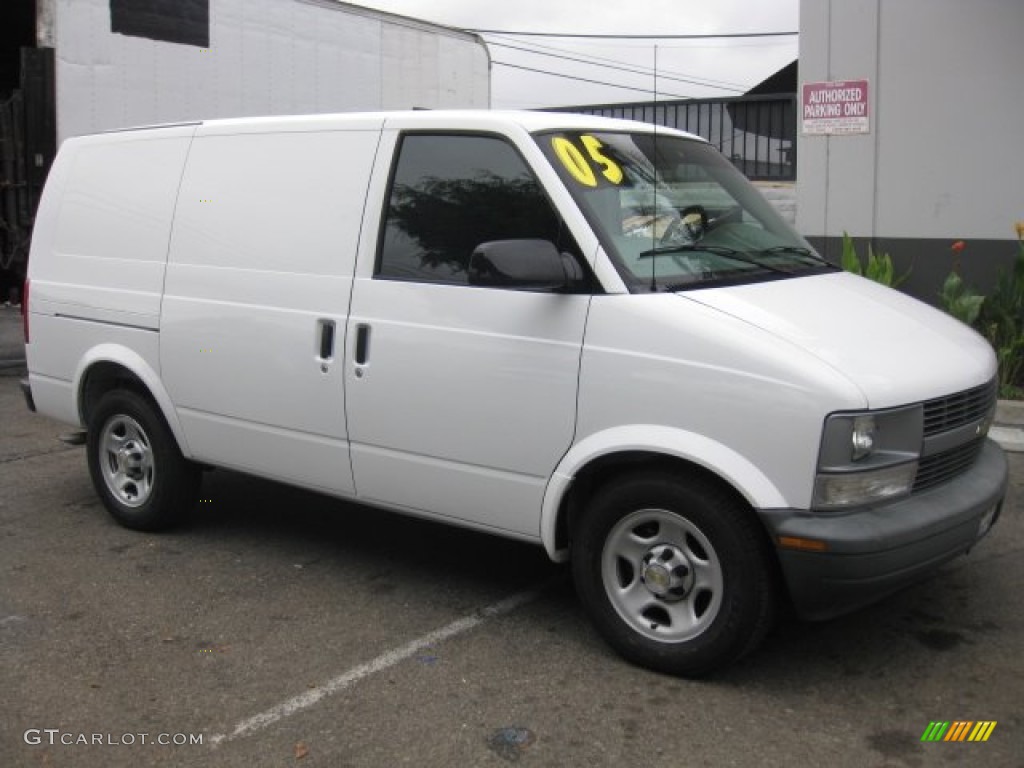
(126, 460)
(667, 573)
(130, 459)
(662, 575)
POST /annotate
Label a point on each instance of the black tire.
(675, 573)
(136, 466)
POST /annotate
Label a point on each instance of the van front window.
(673, 214)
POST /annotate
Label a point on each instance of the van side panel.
(124, 184)
(714, 389)
(98, 255)
(261, 264)
(135, 349)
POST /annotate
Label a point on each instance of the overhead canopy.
(783, 81)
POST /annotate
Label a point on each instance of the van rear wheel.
(135, 464)
(675, 573)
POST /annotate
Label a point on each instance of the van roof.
(417, 119)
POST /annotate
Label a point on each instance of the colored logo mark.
(959, 730)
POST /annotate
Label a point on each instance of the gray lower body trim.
(877, 550)
(26, 390)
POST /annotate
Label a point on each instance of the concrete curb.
(1011, 439)
(1010, 412)
(1008, 429)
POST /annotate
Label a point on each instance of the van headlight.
(867, 457)
(863, 441)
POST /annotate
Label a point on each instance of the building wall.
(264, 57)
(943, 161)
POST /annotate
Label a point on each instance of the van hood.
(895, 349)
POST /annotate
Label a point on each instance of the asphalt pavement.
(283, 628)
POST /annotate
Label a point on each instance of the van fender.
(732, 467)
(138, 365)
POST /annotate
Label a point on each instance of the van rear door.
(258, 283)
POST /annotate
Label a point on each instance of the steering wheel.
(731, 215)
(691, 225)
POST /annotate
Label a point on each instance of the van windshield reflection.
(672, 213)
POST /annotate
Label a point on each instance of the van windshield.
(673, 214)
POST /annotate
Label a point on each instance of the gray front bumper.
(876, 550)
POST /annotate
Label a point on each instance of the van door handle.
(362, 344)
(326, 339)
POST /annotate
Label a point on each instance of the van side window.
(451, 193)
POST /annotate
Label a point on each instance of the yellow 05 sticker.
(584, 168)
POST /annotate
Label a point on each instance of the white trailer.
(72, 67)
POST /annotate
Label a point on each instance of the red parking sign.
(839, 107)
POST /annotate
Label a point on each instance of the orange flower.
(958, 246)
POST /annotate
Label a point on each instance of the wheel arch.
(110, 366)
(610, 453)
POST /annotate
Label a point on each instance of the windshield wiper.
(721, 250)
(800, 251)
(718, 250)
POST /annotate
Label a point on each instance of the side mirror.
(524, 265)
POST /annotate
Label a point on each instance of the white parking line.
(382, 662)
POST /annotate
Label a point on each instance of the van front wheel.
(674, 573)
(135, 464)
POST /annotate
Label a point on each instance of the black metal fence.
(758, 133)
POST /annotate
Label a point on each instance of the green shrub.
(1001, 321)
(879, 265)
(959, 300)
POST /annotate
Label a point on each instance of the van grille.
(945, 413)
(944, 466)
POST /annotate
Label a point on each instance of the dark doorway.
(28, 136)
(17, 31)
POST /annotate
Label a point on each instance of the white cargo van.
(584, 333)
